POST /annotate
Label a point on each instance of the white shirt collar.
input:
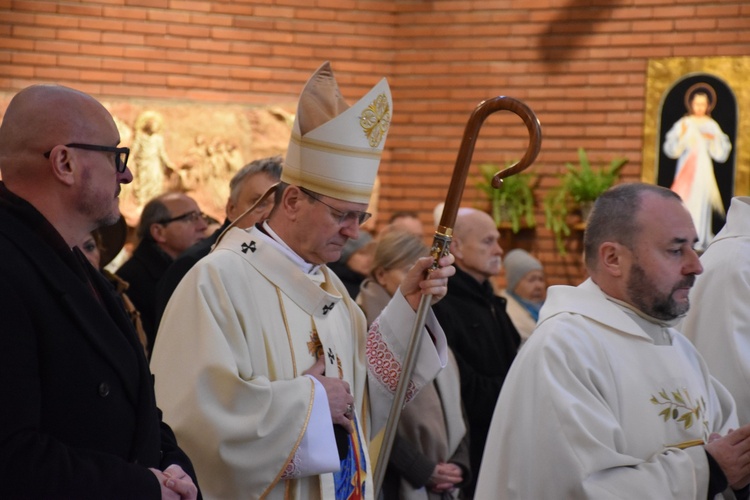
(275, 240)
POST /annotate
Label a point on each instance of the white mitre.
(335, 149)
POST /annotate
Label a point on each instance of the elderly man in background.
(80, 419)
(607, 399)
(479, 331)
(264, 364)
(170, 224)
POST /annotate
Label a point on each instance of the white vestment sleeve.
(317, 452)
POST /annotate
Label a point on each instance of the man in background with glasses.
(263, 362)
(170, 224)
(80, 418)
(246, 190)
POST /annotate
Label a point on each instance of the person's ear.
(63, 165)
(158, 232)
(291, 201)
(456, 248)
(379, 273)
(612, 258)
(229, 209)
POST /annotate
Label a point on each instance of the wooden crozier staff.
(442, 239)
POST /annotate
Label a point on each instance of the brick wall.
(580, 64)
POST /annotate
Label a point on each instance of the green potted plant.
(513, 202)
(579, 187)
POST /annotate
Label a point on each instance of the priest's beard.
(647, 297)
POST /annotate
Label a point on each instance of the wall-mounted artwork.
(696, 135)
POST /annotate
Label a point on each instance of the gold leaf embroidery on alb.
(376, 119)
(680, 407)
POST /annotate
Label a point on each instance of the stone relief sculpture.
(153, 171)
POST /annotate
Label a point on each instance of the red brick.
(56, 47)
(151, 4)
(79, 10)
(166, 67)
(233, 9)
(189, 31)
(34, 6)
(188, 5)
(208, 45)
(101, 50)
(272, 11)
(128, 13)
(147, 28)
(101, 24)
(122, 38)
(56, 73)
(77, 61)
(33, 32)
(123, 65)
(138, 78)
(102, 76)
(32, 59)
(167, 42)
(79, 35)
(169, 16)
(17, 70)
(16, 18)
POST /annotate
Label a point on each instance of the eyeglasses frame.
(120, 165)
(361, 217)
(191, 216)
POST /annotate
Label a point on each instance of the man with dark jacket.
(476, 325)
(170, 224)
(80, 418)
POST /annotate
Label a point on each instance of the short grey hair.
(270, 166)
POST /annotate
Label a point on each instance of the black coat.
(79, 416)
(485, 343)
(142, 272)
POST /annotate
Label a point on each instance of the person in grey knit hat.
(526, 289)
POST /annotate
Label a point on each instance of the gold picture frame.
(663, 74)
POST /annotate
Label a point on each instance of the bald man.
(80, 418)
(476, 325)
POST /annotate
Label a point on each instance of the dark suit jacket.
(142, 272)
(79, 416)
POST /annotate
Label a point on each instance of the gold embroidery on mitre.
(376, 119)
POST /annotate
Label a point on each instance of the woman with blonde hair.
(430, 455)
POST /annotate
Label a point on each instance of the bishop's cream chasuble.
(239, 331)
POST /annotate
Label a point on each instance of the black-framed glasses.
(121, 154)
(343, 217)
(193, 216)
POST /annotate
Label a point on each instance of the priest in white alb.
(264, 366)
(607, 399)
